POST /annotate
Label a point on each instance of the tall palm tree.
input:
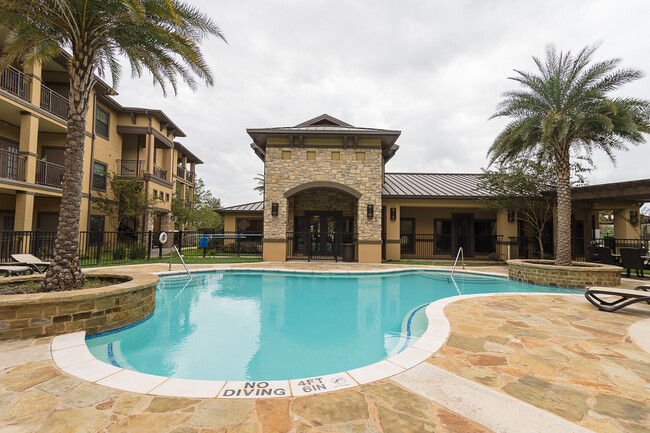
(159, 36)
(564, 109)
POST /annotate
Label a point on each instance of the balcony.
(54, 103)
(15, 82)
(130, 167)
(12, 165)
(50, 174)
(159, 172)
(183, 173)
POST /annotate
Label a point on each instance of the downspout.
(92, 158)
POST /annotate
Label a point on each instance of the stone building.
(327, 196)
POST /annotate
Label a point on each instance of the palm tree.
(260, 183)
(565, 109)
(160, 36)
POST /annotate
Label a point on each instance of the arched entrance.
(322, 222)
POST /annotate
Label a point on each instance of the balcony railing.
(12, 165)
(180, 172)
(53, 102)
(14, 81)
(189, 177)
(159, 172)
(48, 173)
(184, 173)
(130, 167)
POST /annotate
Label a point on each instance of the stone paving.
(557, 353)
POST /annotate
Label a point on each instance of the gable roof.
(432, 185)
(324, 125)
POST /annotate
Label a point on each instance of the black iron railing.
(12, 165)
(15, 82)
(189, 176)
(322, 246)
(54, 103)
(219, 244)
(50, 174)
(130, 167)
(159, 172)
(445, 247)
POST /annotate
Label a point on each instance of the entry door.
(461, 230)
(323, 230)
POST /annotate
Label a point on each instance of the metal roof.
(432, 185)
(257, 206)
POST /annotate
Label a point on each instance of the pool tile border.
(71, 355)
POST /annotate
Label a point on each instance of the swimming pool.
(260, 325)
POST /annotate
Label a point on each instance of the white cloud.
(434, 70)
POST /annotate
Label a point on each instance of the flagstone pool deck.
(511, 363)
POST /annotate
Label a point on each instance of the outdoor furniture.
(631, 259)
(624, 298)
(605, 256)
(592, 253)
(13, 270)
(32, 261)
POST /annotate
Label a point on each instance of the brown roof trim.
(185, 151)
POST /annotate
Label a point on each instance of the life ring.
(162, 237)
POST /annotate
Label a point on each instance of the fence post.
(99, 250)
(37, 240)
(149, 247)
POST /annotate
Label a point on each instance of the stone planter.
(578, 276)
(93, 310)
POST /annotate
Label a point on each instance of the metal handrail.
(462, 255)
(53, 102)
(182, 261)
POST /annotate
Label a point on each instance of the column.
(29, 144)
(34, 72)
(507, 229)
(393, 244)
(588, 231)
(625, 227)
(24, 213)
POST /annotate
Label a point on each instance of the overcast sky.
(431, 69)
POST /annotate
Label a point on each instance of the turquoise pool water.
(247, 325)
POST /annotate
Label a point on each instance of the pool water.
(248, 325)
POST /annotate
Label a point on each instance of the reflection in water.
(256, 325)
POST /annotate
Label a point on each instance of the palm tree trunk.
(563, 229)
(64, 273)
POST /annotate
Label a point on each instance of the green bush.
(119, 252)
(138, 252)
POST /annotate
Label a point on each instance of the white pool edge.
(71, 354)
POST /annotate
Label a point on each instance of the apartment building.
(130, 142)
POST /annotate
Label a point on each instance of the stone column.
(24, 215)
(393, 244)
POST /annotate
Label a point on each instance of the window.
(286, 154)
(361, 156)
(336, 156)
(99, 175)
(407, 235)
(311, 155)
(155, 194)
(96, 228)
(166, 196)
(102, 120)
(442, 230)
(162, 196)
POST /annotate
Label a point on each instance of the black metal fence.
(322, 246)
(123, 247)
(445, 247)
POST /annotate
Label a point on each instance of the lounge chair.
(605, 256)
(32, 261)
(625, 297)
(12, 270)
(631, 259)
(592, 253)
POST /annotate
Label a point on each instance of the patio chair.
(32, 261)
(631, 259)
(625, 297)
(13, 270)
(605, 256)
(592, 253)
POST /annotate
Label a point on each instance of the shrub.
(138, 252)
(119, 252)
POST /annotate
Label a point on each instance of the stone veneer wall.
(92, 310)
(365, 176)
(579, 276)
(322, 199)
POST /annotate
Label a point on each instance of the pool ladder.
(171, 255)
(460, 254)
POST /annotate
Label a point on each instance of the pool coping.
(71, 354)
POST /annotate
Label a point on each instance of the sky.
(434, 70)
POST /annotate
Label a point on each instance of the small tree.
(201, 214)
(519, 186)
(129, 202)
(260, 183)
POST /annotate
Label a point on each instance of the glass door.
(323, 233)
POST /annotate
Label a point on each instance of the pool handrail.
(462, 255)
